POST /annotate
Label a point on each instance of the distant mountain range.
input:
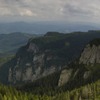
(9, 43)
(44, 27)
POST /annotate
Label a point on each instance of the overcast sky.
(50, 10)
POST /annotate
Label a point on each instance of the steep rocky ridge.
(32, 63)
(91, 53)
(87, 69)
(45, 55)
(42, 66)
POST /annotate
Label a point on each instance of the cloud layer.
(69, 10)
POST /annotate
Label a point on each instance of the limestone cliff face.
(65, 77)
(31, 64)
(74, 75)
(90, 55)
(44, 56)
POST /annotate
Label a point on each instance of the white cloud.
(69, 10)
(26, 12)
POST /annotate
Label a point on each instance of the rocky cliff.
(48, 54)
(31, 64)
(91, 53)
(87, 68)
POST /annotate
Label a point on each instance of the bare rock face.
(87, 74)
(30, 65)
(73, 75)
(33, 48)
(27, 75)
(90, 55)
(65, 77)
(34, 61)
(10, 75)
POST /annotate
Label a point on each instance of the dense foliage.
(95, 42)
(88, 92)
(47, 85)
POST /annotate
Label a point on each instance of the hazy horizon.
(41, 16)
(42, 27)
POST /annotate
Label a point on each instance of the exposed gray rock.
(38, 58)
(50, 70)
(33, 48)
(27, 75)
(87, 74)
(75, 74)
(18, 74)
(65, 77)
(10, 75)
(32, 65)
(90, 55)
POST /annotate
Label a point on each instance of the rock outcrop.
(45, 55)
(87, 68)
(73, 75)
(90, 55)
(65, 76)
(31, 64)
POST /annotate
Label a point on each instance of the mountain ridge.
(44, 55)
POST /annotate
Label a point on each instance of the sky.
(50, 10)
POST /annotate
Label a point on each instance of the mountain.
(78, 77)
(91, 53)
(44, 68)
(9, 43)
(86, 69)
(45, 55)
